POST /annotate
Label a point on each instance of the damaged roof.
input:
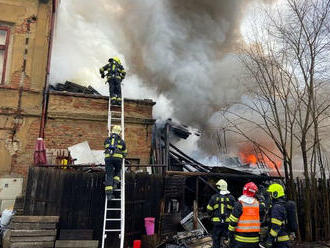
(179, 129)
(75, 88)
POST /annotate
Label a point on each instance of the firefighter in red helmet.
(244, 225)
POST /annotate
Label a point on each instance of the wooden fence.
(320, 208)
(78, 198)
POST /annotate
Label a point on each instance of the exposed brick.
(61, 133)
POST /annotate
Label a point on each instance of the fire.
(250, 158)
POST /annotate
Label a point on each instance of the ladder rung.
(114, 209)
(112, 230)
(114, 219)
(117, 190)
(116, 199)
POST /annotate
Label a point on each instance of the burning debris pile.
(165, 151)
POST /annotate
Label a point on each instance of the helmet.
(250, 189)
(117, 60)
(222, 185)
(276, 190)
(116, 129)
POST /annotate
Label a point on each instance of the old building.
(26, 28)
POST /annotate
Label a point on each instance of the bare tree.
(288, 62)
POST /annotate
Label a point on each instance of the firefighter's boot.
(118, 101)
(116, 182)
(109, 192)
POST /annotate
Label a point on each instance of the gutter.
(46, 86)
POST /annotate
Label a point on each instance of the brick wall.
(74, 118)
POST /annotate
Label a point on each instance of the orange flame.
(248, 158)
(252, 160)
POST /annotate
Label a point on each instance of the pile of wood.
(31, 231)
(75, 88)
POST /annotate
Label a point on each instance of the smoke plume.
(178, 52)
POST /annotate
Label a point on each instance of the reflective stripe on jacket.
(220, 207)
(115, 147)
(113, 70)
(278, 221)
(249, 221)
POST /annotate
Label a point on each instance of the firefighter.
(282, 219)
(219, 208)
(115, 73)
(244, 225)
(115, 151)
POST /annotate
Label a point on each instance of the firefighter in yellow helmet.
(282, 219)
(219, 208)
(115, 73)
(115, 151)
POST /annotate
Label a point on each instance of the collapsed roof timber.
(73, 87)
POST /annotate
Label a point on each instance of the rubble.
(189, 239)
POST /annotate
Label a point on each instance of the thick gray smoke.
(179, 52)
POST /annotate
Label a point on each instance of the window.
(4, 42)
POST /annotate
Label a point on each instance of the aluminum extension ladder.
(114, 215)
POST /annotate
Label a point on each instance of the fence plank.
(78, 198)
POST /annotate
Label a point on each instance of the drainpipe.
(46, 86)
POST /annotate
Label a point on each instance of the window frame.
(5, 49)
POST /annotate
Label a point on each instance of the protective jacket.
(113, 70)
(245, 221)
(249, 221)
(115, 147)
(278, 218)
(220, 207)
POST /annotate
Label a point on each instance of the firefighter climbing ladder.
(109, 221)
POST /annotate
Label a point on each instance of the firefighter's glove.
(266, 244)
(102, 75)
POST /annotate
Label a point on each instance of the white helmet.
(222, 185)
(116, 129)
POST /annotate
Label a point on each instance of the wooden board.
(36, 219)
(32, 239)
(32, 233)
(76, 234)
(32, 245)
(76, 243)
(202, 243)
(31, 226)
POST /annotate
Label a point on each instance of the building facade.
(25, 41)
